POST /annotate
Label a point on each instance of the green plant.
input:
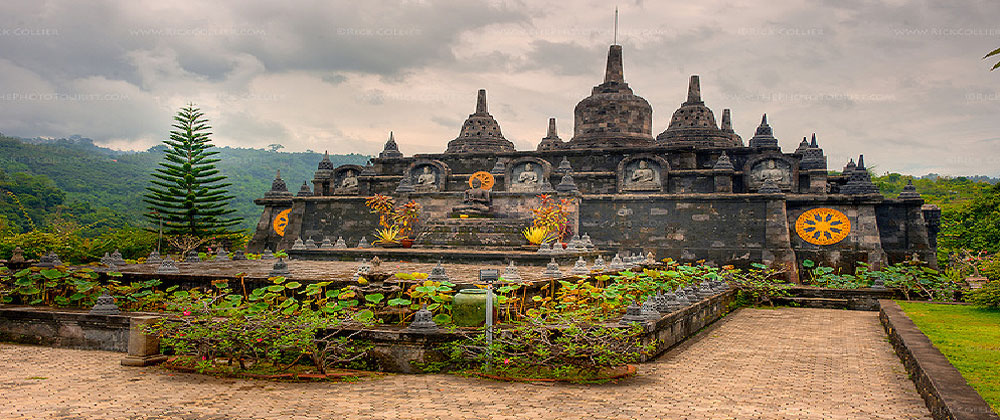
(762, 284)
(553, 215)
(188, 194)
(537, 235)
(987, 296)
(389, 235)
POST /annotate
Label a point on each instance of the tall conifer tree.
(188, 194)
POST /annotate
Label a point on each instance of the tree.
(275, 146)
(976, 226)
(991, 54)
(188, 193)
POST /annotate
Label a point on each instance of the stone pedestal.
(143, 349)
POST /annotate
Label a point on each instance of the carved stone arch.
(751, 179)
(440, 170)
(629, 164)
(512, 174)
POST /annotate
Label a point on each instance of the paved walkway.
(767, 364)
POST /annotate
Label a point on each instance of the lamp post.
(489, 276)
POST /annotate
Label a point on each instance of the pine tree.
(188, 194)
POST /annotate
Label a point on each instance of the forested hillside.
(104, 187)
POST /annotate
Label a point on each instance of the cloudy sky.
(902, 81)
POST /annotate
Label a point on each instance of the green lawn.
(969, 337)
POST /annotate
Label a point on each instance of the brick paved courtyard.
(786, 363)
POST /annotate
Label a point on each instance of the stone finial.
(909, 191)
(764, 136)
(681, 298)
(727, 121)
(547, 185)
(649, 310)
(694, 90)
(614, 72)
(311, 244)
(551, 141)
(481, 103)
(552, 269)
(551, 133)
(705, 290)
(587, 243)
(222, 254)
(363, 243)
(423, 321)
(391, 149)
(564, 166)
(105, 306)
(54, 259)
(278, 188)
(107, 260)
(617, 264)
(267, 254)
(304, 190)
(544, 248)
(580, 268)
(280, 268)
(599, 264)
(633, 313)
(298, 244)
(154, 258)
(376, 262)
(498, 168)
(192, 256)
(325, 164)
(723, 164)
(341, 243)
(849, 167)
(438, 273)
(167, 266)
(567, 184)
(803, 145)
(326, 244)
(510, 273)
(650, 259)
(813, 144)
(860, 181)
(367, 170)
(117, 257)
(239, 256)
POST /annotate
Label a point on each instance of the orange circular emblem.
(485, 178)
(822, 226)
(281, 222)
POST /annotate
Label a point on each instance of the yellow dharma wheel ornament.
(822, 226)
(485, 179)
(281, 222)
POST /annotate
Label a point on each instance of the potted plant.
(396, 222)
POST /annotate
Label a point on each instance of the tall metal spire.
(616, 26)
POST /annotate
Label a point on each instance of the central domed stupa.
(612, 116)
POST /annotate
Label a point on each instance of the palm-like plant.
(995, 52)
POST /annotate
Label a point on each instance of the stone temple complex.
(694, 191)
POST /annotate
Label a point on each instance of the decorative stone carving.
(552, 270)
(222, 255)
(510, 273)
(298, 245)
(580, 268)
(633, 313)
(644, 172)
(105, 305)
(428, 175)
(326, 244)
(527, 179)
(310, 244)
(341, 243)
(617, 264)
(267, 254)
(363, 243)
(567, 184)
(423, 321)
(192, 257)
(154, 258)
(438, 273)
(426, 180)
(239, 256)
(345, 180)
(280, 268)
(770, 170)
(599, 264)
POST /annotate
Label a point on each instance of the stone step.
(811, 302)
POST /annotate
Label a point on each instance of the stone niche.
(643, 173)
(345, 180)
(428, 175)
(782, 169)
(527, 174)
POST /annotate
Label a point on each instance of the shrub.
(986, 297)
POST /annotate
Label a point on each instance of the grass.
(969, 337)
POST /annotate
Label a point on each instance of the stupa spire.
(481, 102)
(727, 121)
(552, 129)
(813, 144)
(614, 72)
(694, 90)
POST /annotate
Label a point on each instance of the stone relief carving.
(527, 179)
(345, 180)
(643, 177)
(771, 170)
(427, 179)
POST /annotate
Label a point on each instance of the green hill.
(104, 187)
